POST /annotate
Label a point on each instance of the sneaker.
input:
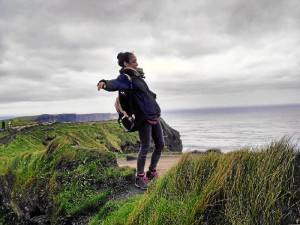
(152, 174)
(141, 182)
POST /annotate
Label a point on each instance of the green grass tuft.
(115, 212)
(62, 170)
(241, 187)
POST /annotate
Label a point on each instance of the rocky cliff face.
(74, 118)
(172, 137)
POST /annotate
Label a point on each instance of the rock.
(172, 139)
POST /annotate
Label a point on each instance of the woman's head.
(127, 59)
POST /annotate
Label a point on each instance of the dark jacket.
(142, 96)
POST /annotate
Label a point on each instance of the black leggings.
(147, 131)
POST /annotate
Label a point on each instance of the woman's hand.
(101, 85)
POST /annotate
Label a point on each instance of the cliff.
(74, 118)
(172, 138)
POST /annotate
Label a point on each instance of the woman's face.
(132, 62)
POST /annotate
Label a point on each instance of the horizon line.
(5, 116)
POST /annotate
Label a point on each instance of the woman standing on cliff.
(146, 121)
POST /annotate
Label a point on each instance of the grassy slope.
(67, 165)
(22, 121)
(242, 187)
(104, 135)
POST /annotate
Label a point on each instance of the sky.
(195, 53)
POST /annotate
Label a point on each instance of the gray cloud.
(53, 51)
(283, 79)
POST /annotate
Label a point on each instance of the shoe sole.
(140, 187)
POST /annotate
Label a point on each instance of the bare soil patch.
(165, 163)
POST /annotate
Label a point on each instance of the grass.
(65, 170)
(241, 187)
(4, 133)
(74, 179)
(24, 121)
(115, 212)
(105, 135)
(69, 172)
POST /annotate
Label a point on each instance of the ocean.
(234, 128)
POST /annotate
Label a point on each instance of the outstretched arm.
(119, 84)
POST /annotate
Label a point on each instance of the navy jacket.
(142, 96)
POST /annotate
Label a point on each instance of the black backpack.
(125, 108)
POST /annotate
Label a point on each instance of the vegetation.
(61, 172)
(4, 134)
(242, 187)
(24, 121)
(103, 135)
(65, 173)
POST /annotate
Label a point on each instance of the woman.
(147, 114)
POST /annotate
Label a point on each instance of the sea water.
(235, 128)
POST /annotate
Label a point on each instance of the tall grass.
(104, 135)
(241, 187)
(66, 171)
(61, 171)
(63, 180)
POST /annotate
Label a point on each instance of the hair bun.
(123, 57)
(120, 55)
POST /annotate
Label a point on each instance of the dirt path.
(165, 163)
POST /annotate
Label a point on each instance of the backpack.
(124, 107)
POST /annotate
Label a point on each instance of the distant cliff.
(75, 117)
(172, 137)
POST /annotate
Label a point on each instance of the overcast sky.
(195, 53)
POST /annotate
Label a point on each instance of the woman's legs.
(145, 140)
(145, 133)
(158, 137)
